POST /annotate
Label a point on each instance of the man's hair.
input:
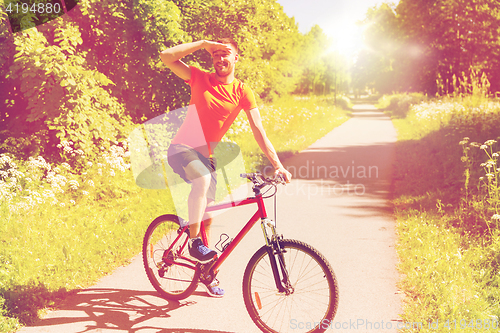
(227, 40)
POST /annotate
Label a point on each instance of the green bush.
(399, 104)
(344, 102)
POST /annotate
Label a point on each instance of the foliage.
(323, 74)
(449, 277)
(343, 102)
(123, 39)
(399, 104)
(453, 36)
(446, 198)
(88, 75)
(65, 225)
(417, 42)
(86, 112)
(267, 39)
(374, 67)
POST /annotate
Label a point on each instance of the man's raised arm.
(172, 56)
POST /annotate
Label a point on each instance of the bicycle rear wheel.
(311, 301)
(164, 253)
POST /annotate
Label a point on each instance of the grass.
(65, 225)
(447, 211)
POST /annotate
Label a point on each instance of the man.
(216, 100)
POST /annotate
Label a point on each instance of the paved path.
(337, 203)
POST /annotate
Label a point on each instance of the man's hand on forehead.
(212, 47)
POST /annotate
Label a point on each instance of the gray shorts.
(179, 156)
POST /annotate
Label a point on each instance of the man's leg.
(207, 221)
(200, 177)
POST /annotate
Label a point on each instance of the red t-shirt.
(212, 110)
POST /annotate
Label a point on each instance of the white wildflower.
(490, 142)
(73, 184)
(48, 194)
(464, 141)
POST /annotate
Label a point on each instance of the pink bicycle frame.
(259, 214)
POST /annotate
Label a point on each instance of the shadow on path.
(98, 309)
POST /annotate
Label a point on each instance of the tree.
(374, 67)
(423, 40)
(88, 75)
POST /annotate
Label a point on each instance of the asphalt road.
(337, 202)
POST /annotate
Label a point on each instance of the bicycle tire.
(275, 312)
(177, 282)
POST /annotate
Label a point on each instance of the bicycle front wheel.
(167, 264)
(311, 299)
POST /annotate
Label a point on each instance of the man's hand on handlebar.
(284, 174)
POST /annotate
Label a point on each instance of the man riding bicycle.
(216, 100)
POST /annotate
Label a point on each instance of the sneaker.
(212, 289)
(200, 252)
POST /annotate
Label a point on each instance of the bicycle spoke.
(164, 260)
(310, 298)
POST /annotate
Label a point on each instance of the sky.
(337, 18)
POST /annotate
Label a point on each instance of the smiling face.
(224, 61)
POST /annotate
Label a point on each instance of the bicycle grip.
(249, 175)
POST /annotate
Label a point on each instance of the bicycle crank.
(207, 274)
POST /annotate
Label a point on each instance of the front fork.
(276, 257)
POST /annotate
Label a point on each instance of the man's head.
(229, 41)
(223, 60)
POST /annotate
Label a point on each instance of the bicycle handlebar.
(258, 178)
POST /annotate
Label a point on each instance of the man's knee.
(198, 174)
(202, 183)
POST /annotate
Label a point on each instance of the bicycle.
(287, 284)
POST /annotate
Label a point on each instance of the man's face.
(224, 61)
